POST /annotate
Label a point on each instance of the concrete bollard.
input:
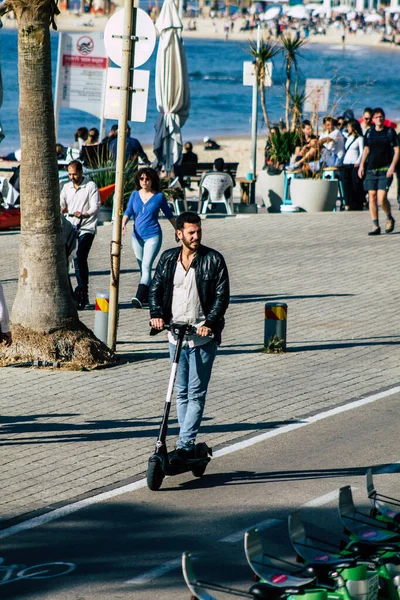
(101, 316)
(275, 326)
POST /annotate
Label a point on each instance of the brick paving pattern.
(66, 434)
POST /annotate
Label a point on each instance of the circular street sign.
(144, 29)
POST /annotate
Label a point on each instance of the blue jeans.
(192, 378)
(146, 252)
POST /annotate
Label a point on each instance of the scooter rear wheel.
(201, 452)
(154, 475)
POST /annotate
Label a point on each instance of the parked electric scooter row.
(365, 565)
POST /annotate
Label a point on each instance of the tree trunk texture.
(261, 87)
(287, 93)
(43, 304)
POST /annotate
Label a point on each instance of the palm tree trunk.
(43, 302)
(287, 93)
(261, 88)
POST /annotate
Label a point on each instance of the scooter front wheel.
(155, 474)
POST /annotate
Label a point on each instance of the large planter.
(314, 195)
(271, 188)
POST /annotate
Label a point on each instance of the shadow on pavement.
(95, 431)
(247, 298)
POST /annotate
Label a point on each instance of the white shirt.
(337, 144)
(4, 317)
(84, 199)
(354, 150)
(186, 307)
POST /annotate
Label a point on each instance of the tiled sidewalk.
(66, 434)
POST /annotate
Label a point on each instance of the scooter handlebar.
(177, 329)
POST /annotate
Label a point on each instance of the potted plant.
(104, 175)
(278, 150)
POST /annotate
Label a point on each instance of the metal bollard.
(101, 316)
(275, 326)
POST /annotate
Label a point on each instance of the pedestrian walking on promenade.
(191, 285)
(80, 201)
(5, 333)
(378, 163)
(354, 193)
(144, 207)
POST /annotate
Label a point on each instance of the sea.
(220, 104)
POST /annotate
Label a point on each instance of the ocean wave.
(216, 76)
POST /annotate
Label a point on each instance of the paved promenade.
(68, 434)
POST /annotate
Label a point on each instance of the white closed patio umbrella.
(172, 87)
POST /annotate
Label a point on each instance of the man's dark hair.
(305, 123)
(189, 146)
(187, 217)
(152, 175)
(77, 164)
(219, 164)
(368, 109)
(114, 127)
(378, 111)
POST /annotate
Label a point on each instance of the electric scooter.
(162, 462)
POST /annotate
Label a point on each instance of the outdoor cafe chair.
(216, 184)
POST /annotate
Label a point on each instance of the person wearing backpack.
(378, 164)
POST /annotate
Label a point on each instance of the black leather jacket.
(212, 282)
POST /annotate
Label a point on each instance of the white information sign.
(249, 74)
(317, 95)
(138, 108)
(81, 72)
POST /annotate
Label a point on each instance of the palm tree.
(261, 56)
(44, 318)
(291, 49)
(297, 99)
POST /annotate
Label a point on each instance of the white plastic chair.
(216, 184)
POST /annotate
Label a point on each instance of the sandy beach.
(209, 29)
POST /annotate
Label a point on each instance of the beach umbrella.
(172, 87)
(373, 18)
(312, 6)
(298, 12)
(342, 9)
(272, 13)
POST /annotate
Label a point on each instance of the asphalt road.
(130, 546)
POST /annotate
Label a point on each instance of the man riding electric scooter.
(191, 285)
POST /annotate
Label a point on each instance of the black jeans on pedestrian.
(354, 193)
(85, 242)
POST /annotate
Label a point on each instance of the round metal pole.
(128, 57)
(253, 160)
(101, 316)
(275, 325)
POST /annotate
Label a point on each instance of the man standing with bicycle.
(80, 199)
(191, 285)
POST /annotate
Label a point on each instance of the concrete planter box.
(314, 195)
(271, 188)
(105, 214)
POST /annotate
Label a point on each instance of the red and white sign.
(81, 72)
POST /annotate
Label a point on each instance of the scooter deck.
(186, 465)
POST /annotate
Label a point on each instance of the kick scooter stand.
(162, 462)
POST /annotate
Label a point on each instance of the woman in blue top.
(143, 207)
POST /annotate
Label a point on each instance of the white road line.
(239, 535)
(75, 506)
(157, 572)
(323, 499)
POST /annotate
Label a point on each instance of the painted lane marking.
(239, 535)
(68, 509)
(156, 572)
